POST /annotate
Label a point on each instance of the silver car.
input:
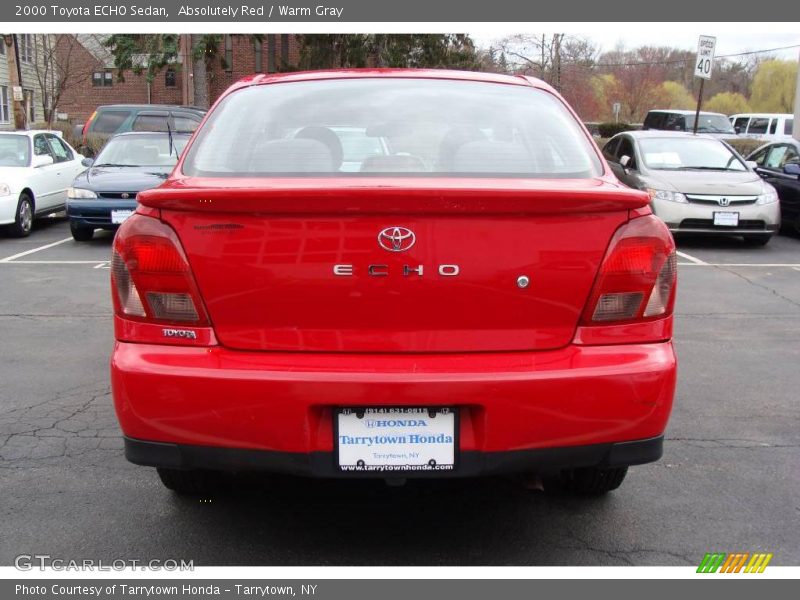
(696, 183)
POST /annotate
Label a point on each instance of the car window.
(150, 122)
(689, 154)
(758, 125)
(675, 122)
(780, 155)
(609, 151)
(61, 152)
(184, 123)
(434, 127)
(144, 150)
(15, 150)
(625, 148)
(773, 126)
(759, 156)
(788, 127)
(740, 124)
(653, 120)
(41, 147)
(109, 121)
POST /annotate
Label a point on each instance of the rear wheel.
(23, 221)
(592, 481)
(188, 482)
(757, 240)
(81, 234)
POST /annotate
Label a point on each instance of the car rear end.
(484, 299)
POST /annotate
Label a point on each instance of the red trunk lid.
(288, 268)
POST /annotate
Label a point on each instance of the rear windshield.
(370, 126)
(15, 150)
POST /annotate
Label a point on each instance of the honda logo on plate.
(396, 239)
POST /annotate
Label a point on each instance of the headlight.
(768, 198)
(76, 193)
(666, 195)
(4, 190)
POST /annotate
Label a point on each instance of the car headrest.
(291, 156)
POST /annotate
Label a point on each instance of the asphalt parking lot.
(729, 479)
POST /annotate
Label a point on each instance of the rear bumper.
(213, 407)
(322, 464)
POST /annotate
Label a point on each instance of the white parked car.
(36, 168)
(764, 126)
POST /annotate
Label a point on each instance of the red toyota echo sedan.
(394, 274)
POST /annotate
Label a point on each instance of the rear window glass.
(150, 123)
(15, 150)
(370, 126)
(788, 128)
(108, 121)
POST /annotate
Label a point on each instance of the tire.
(81, 234)
(757, 239)
(23, 223)
(188, 482)
(592, 481)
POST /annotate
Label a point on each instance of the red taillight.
(151, 279)
(85, 129)
(637, 278)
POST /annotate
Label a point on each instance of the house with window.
(34, 72)
(92, 80)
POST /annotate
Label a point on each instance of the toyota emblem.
(124, 195)
(396, 239)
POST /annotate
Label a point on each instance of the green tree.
(774, 86)
(729, 103)
(142, 53)
(326, 51)
(677, 96)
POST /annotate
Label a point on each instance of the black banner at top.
(360, 11)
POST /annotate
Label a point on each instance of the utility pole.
(10, 40)
(796, 130)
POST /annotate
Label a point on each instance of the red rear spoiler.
(393, 196)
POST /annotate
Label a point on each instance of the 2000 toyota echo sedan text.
(393, 273)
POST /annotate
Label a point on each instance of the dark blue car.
(104, 195)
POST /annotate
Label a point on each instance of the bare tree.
(56, 69)
(547, 56)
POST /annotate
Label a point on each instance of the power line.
(676, 61)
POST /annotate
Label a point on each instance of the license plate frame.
(396, 469)
(119, 216)
(726, 218)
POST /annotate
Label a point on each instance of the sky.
(731, 37)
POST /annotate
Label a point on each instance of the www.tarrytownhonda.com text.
(29, 562)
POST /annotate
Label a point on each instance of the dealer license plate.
(726, 219)
(119, 216)
(396, 439)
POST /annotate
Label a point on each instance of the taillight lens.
(637, 277)
(87, 124)
(150, 275)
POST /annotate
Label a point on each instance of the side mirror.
(752, 164)
(87, 162)
(625, 161)
(41, 160)
(792, 169)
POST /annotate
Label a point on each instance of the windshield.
(688, 153)
(141, 151)
(710, 124)
(377, 126)
(15, 150)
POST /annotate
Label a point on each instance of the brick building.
(92, 79)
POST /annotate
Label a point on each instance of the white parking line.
(56, 262)
(795, 266)
(689, 257)
(27, 252)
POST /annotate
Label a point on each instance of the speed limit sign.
(705, 56)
